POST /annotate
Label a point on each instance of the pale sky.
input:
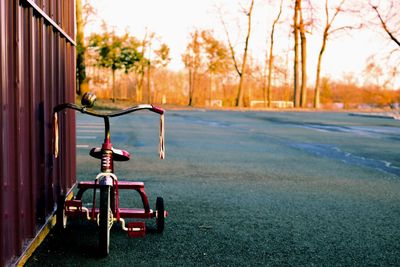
(173, 20)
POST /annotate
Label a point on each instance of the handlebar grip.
(157, 110)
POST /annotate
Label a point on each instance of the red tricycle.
(107, 182)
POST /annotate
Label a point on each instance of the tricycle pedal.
(136, 229)
(73, 206)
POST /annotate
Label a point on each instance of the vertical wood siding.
(37, 71)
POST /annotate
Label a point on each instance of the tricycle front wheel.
(105, 220)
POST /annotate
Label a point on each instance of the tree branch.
(346, 28)
(230, 46)
(384, 25)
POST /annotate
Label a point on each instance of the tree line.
(219, 73)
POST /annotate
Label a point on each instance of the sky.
(173, 20)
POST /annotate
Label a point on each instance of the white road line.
(82, 146)
(89, 131)
(85, 137)
(90, 123)
(90, 126)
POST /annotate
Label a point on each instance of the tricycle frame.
(107, 182)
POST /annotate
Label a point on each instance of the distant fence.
(37, 71)
(214, 103)
(274, 104)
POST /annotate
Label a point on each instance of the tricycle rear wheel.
(61, 219)
(160, 218)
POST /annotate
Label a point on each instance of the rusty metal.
(37, 72)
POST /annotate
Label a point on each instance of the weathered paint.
(37, 71)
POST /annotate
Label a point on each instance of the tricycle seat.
(118, 154)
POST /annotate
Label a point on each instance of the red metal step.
(123, 212)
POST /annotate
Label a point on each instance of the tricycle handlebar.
(88, 101)
(91, 112)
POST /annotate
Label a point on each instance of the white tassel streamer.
(55, 135)
(162, 133)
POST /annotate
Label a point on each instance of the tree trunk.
(317, 78)
(139, 89)
(270, 64)
(191, 82)
(113, 86)
(296, 92)
(303, 40)
(211, 87)
(271, 56)
(303, 71)
(239, 98)
(80, 49)
(265, 78)
(148, 83)
(149, 70)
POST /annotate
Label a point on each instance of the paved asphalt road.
(249, 189)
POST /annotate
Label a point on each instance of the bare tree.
(267, 92)
(143, 64)
(327, 31)
(89, 13)
(241, 70)
(192, 60)
(217, 57)
(159, 63)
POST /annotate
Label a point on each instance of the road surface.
(249, 189)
